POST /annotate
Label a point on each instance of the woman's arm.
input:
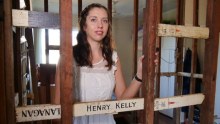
(121, 91)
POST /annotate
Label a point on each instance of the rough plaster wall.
(169, 15)
(122, 33)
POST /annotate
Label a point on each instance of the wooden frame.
(48, 111)
(148, 72)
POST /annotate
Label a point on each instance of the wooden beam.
(182, 31)
(29, 37)
(47, 44)
(135, 36)
(66, 62)
(79, 8)
(47, 111)
(24, 18)
(210, 62)
(193, 59)
(3, 119)
(9, 62)
(179, 65)
(149, 49)
(110, 10)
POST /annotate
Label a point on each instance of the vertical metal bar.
(179, 57)
(210, 62)
(9, 62)
(149, 49)
(66, 61)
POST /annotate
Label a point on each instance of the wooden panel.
(24, 18)
(183, 31)
(47, 111)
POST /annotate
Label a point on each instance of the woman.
(97, 67)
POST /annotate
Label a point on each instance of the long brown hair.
(82, 50)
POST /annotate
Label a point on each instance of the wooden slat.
(24, 18)
(66, 61)
(108, 107)
(190, 75)
(37, 112)
(168, 74)
(47, 111)
(182, 31)
(178, 101)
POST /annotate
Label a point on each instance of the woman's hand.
(140, 61)
(139, 68)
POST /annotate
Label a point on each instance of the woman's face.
(96, 25)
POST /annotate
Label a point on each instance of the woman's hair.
(82, 51)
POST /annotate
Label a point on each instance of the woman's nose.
(100, 25)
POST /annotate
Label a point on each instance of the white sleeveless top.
(95, 84)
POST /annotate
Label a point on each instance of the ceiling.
(122, 7)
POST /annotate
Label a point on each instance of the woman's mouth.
(99, 32)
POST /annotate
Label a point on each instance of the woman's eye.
(105, 21)
(93, 20)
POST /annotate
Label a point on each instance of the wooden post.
(3, 117)
(193, 59)
(158, 48)
(79, 8)
(179, 59)
(46, 37)
(149, 49)
(29, 37)
(136, 115)
(66, 61)
(135, 36)
(9, 62)
(210, 62)
(110, 10)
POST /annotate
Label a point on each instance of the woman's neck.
(96, 51)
